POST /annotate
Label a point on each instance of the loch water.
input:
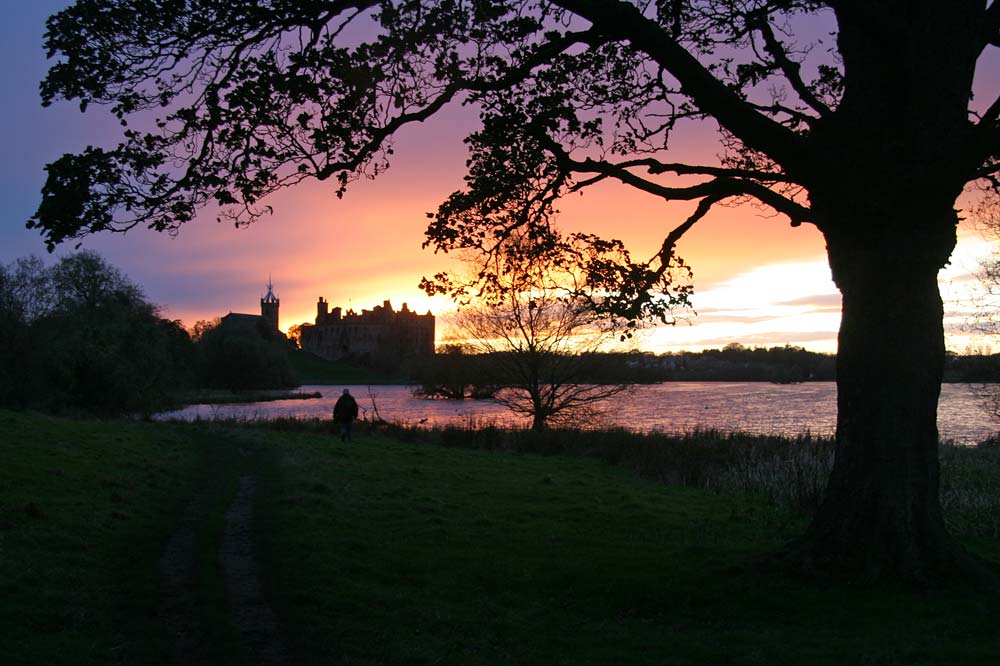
(755, 407)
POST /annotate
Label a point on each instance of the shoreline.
(226, 397)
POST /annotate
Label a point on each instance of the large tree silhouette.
(850, 115)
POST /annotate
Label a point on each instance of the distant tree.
(984, 322)
(120, 359)
(25, 295)
(85, 280)
(238, 356)
(295, 335)
(782, 365)
(852, 116)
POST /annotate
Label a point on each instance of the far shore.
(227, 397)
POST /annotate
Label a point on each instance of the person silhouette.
(344, 413)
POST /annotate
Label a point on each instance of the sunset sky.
(757, 281)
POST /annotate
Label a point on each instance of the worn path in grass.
(249, 626)
(251, 615)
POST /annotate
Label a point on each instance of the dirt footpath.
(249, 613)
(250, 617)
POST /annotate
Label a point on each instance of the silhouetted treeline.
(453, 371)
(972, 368)
(734, 362)
(79, 336)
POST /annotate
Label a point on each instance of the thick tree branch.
(655, 167)
(380, 135)
(621, 20)
(988, 170)
(794, 115)
(790, 68)
(989, 117)
(983, 141)
(723, 186)
(540, 56)
(666, 252)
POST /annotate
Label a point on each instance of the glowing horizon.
(773, 304)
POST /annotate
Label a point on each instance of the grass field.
(389, 552)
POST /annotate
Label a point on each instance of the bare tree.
(983, 322)
(985, 301)
(536, 331)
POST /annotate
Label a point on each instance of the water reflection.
(784, 409)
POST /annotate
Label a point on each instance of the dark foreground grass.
(788, 472)
(85, 510)
(389, 552)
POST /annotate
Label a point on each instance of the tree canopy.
(856, 117)
(223, 104)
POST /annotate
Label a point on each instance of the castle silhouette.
(381, 336)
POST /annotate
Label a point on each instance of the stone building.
(266, 323)
(380, 336)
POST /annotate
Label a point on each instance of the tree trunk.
(881, 512)
(891, 162)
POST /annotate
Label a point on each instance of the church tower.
(269, 307)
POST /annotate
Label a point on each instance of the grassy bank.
(386, 551)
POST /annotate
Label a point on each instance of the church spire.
(269, 306)
(270, 297)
